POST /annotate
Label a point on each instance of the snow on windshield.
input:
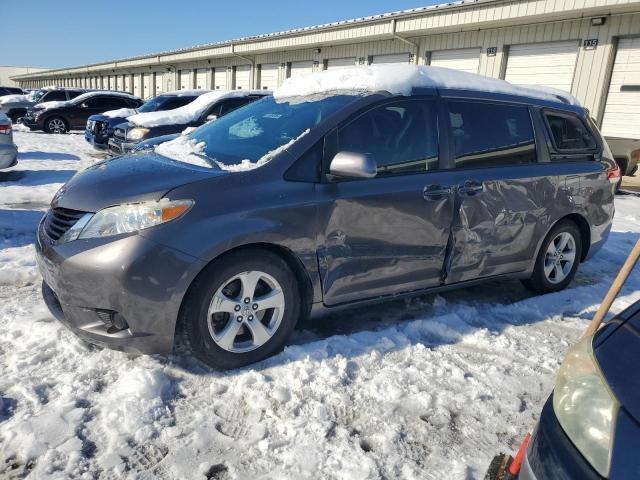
(402, 79)
(187, 113)
(121, 112)
(185, 150)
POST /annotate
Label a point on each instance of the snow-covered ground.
(425, 388)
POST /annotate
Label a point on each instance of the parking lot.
(431, 387)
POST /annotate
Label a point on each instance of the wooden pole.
(617, 285)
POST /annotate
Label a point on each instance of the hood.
(133, 178)
(111, 121)
(617, 349)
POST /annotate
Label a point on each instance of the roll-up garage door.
(465, 59)
(269, 76)
(127, 83)
(622, 112)
(548, 64)
(159, 83)
(341, 63)
(220, 78)
(137, 85)
(119, 83)
(392, 58)
(185, 79)
(299, 68)
(201, 78)
(243, 77)
(146, 85)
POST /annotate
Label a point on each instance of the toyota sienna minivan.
(344, 188)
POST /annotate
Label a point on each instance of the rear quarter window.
(569, 133)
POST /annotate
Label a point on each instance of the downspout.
(402, 39)
(253, 66)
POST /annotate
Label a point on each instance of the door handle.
(470, 188)
(435, 192)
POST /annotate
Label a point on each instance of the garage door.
(185, 80)
(146, 85)
(548, 64)
(341, 63)
(201, 78)
(220, 78)
(137, 85)
(243, 77)
(120, 83)
(465, 60)
(622, 113)
(269, 76)
(127, 83)
(159, 83)
(392, 58)
(300, 68)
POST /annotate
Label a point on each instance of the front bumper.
(8, 155)
(143, 281)
(31, 122)
(117, 147)
(551, 454)
(97, 142)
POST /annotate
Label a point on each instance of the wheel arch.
(292, 260)
(583, 227)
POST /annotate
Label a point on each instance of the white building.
(7, 72)
(588, 47)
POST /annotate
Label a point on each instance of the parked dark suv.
(209, 106)
(306, 203)
(101, 127)
(10, 91)
(16, 108)
(60, 117)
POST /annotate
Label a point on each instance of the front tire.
(558, 259)
(55, 125)
(241, 309)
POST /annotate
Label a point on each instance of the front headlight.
(585, 406)
(127, 218)
(137, 133)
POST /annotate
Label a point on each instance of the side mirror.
(353, 165)
(211, 118)
(84, 105)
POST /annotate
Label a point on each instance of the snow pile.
(187, 113)
(184, 149)
(246, 165)
(51, 104)
(120, 113)
(401, 80)
(13, 99)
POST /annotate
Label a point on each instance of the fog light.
(113, 320)
(119, 322)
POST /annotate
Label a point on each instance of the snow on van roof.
(402, 79)
(93, 93)
(189, 112)
(182, 93)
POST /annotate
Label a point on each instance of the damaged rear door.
(500, 194)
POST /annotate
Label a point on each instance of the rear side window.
(491, 135)
(230, 105)
(569, 133)
(176, 102)
(402, 137)
(74, 94)
(54, 96)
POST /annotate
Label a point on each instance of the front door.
(388, 234)
(500, 191)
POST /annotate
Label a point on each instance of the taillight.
(613, 174)
(5, 129)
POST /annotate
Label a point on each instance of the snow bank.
(13, 99)
(52, 104)
(402, 79)
(187, 113)
(121, 112)
(184, 149)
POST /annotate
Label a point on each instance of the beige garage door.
(300, 68)
(243, 77)
(120, 83)
(127, 83)
(159, 83)
(622, 113)
(185, 80)
(201, 78)
(391, 58)
(220, 78)
(146, 85)
(465, 59)
(269, 73)
(341, 63)
(137, 85)
(546, 64)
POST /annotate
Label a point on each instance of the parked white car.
(8, 149)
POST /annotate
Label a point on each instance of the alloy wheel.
(560, 257)
(57, 126)
(246, 311)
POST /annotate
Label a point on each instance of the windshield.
(152, 104)
(36, 96)
(252, 132)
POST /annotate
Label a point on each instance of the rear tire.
(226, 331)
(558, 259)
(16, 118)
(56, 125)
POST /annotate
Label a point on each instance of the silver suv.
(8, 149)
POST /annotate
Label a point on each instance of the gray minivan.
(307, 204)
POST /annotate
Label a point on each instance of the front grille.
(99, 127)
(59, 220)
(120, 133)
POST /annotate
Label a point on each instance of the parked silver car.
(8, 149)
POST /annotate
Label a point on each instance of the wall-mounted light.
(318, 50)
(598, 21)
